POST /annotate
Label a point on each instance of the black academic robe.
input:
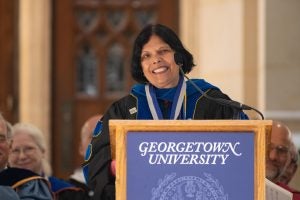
(134, 106)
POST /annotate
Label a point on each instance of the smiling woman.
(162, 93)
(158, 63)
(28, 149)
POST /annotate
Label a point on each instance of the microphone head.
(178, 58)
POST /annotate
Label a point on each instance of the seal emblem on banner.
(188, 188)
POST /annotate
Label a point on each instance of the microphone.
(179, 60)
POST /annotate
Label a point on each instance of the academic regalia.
(64, 190)
(135, 106)
(77, 179)
(34, 186)
(26, 183)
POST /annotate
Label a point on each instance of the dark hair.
(168, 36)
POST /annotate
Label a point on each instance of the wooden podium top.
(261, 130)
(203, 125)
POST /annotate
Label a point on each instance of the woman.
(162, 94)
(28, 151)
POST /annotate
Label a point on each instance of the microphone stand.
(234, 104)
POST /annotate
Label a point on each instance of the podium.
(190, 159)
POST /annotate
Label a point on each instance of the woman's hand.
(113, 167)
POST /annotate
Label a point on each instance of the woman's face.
(25, 153)
(159, 67)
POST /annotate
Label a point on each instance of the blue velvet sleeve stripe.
(58, 184)
(85, 170)
(98, 129)
(88, 153)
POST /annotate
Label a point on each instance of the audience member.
(289, 172)
(28, 151)
(280, 156)
(18, 183)
(5, 140)
(279, 148)
(292, 167)
(77, 178)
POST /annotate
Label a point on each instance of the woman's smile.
(158, 64)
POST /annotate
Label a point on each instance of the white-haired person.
(86, 134)
(280, 157)
(292, 167)
(18, 183)
(28, 151)
(290, 171)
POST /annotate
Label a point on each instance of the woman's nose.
(22, 154)
(156, 59)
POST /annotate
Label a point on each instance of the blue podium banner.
(190, 165)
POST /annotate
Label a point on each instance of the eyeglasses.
(28, 150)
(280, 149)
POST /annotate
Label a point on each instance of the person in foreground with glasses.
(28, 151)
(280, 156)
(291, 169)
(278, 151)
(16, 183)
